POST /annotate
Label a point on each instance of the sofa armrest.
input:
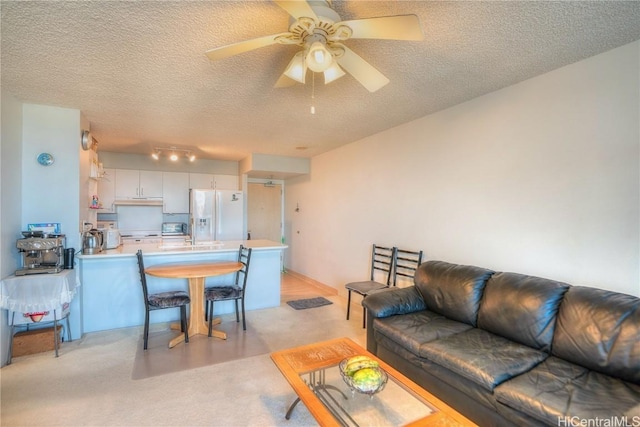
(392, 302)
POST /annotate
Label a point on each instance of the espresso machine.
(41, 253)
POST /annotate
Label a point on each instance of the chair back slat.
(383, 260)
(406, 263)
(143, 279)
(244, 257)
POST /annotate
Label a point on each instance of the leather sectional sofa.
(509, 349)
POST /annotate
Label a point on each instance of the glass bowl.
(369, 388)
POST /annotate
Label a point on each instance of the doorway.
(264, 210)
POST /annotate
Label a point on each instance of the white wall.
(86, 187)
(33, 193)
(276, 166)
(10, 199)
(540, 178)
(52, 193)
(11, 183)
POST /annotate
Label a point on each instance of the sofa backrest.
(452, 290)
(600, 330)
(521, 308)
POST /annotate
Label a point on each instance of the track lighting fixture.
(172, 153)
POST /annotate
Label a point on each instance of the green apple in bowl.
(368, 380)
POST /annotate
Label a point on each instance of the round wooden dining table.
(196, 273)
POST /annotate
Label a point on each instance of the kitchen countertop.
(176, 249)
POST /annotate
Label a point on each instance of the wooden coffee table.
(312, 370)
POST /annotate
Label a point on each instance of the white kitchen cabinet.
(225, 182)
(151, 184)
(135, 184)
(175, 192)
(127, 183)
(213, 181)
(107, 190)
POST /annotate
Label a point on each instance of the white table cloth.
(47, 294)
(38, 292)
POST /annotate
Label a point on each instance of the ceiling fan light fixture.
(320, 31)
(297, 68)
(334, 72)
(319, 58)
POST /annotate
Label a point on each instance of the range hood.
(138, 202)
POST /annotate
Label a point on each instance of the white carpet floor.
(91, 383)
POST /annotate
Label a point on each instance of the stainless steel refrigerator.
(216, 215)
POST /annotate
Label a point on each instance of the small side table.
(46, 295)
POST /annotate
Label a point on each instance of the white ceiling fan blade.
(297, 8)
(242, 47)
(361, 70)
(401, 27)
(284, 81)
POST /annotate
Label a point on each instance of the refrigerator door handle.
(218, 216)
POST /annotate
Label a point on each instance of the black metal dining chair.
(382, 262)
(235, 291)
(160, 301)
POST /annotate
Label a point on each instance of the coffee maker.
(41, 253)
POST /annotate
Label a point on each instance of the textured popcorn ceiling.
(138, 71)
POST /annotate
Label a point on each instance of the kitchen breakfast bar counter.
(111, 294)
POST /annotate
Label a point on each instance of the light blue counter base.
(111, 293)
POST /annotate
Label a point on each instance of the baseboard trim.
(312, 282)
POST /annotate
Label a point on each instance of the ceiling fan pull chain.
(313, 92)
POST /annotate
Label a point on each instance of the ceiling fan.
(321, 34)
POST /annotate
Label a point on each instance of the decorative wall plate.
(45, 159)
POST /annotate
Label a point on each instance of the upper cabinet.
(134, 184)
(200, 180)
(150, 184)
(217, 182)
(175, 192)
(107, 190)
(225, 182)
